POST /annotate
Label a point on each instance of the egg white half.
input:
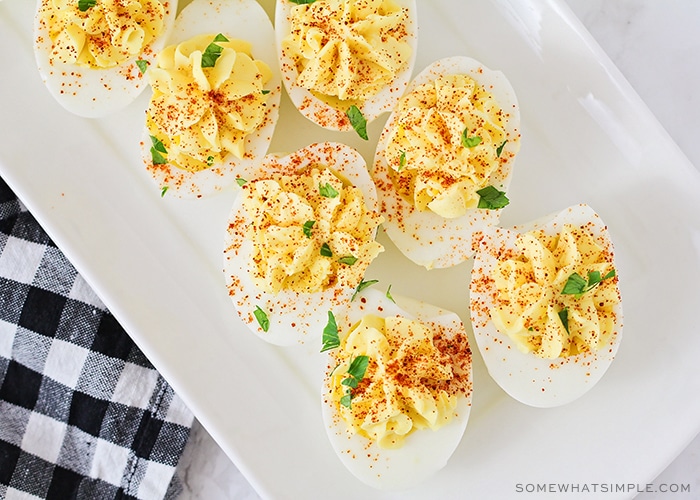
(424, 452)
(424, 237)
(95, 92)
(525, 377)
(295, 318)
(241, 19)
(319, 111)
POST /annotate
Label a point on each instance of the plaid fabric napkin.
(83, 414)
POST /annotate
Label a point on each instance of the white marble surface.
(656, 45)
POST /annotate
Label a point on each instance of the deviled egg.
(444, 160)
(92, 54)
(299, 239)
(345, 62)
(215, 102)
(546, 307)
(397, 392)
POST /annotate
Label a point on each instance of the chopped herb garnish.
(491, 198)
(213, 51)
(358, 368)
(349, 382)
(163, 191)
(330, 337)
(158, 151)
(357, 121)
(240, 181)
(307, 227)
(347, 260)
(261, 317)
(210, 161)
(265, 91)
(470, 142)
(564, 317)
(326, 250)
(356, 372)
(499, 149)
(143, 65)
(327, 190)
(577, 285)
(363, 284)
(84, 5)
(388, 295)
(302, 2)
(402, 160)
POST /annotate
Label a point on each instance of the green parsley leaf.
(594, 278)
(499, 149)
(265, 91)
(346, 400)
(307, 227)
(577, 285)
(84, 5)
(330, 337)
(158, 151)
(348, 260)
(210, 161)
(358, 367)
(350, 382)
(564, 317)
(470, 142)
(240, 181)
(388, 295)
(363, 284)
(357, 121)
(609, 275)
(163, 191)
(302, 2)
(158, 144)
(143, 65)
(402, 160)
(213, 51)
(327, 190)
(491, 198)
(261, 317)
(356, 372)
(326, 250)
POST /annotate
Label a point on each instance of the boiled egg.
(92, 54)
(299, 238)
(336, 54)
(215, 102)
(397, 392)
(444, 160)
(546, 307)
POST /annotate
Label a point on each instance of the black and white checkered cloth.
(83, 414)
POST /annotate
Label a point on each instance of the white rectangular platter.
(156, 263)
